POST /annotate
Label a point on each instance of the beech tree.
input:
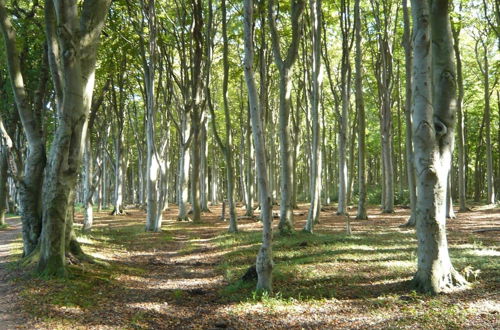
(434, 108)
(264, 263)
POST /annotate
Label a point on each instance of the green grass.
(369, 266)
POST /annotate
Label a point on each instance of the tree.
(434, 93)
(410, 169)
(360, 109)
(285, 70)
(30, 187)
(264, 263)
(456, 27)
(226, 146)
(72, 55)
(316, 166)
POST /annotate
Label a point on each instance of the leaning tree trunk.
(434, 93)
(30, 187)
(264, 264)
(314, 209)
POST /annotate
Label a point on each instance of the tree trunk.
(410, 169)
(433, 140)
(314, 209)
(76, 74)
(285, 70)
(462, 197)
(3, 181)
(30, 187)
(264, 263)
(88, 216)
(360, 109)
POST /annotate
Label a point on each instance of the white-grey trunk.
(434, 80)
(360, 108)
(264, 263)
(88, 216)
(314, 209)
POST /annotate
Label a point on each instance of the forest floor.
(9, 293)
(189, 276)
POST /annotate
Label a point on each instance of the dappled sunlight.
(166, 279)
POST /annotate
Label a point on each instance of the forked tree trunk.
(285, 71)
(433, 139)
(74, 73)
(264, 263)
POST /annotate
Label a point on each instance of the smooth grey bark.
(384, 73)
(344, 116)
(462, 197)
(88, 216)
(227, 145)
(154, 171)
(249, 169)
(74, 71)
(5, 146)
(484, 67)
(285, 72)
(204, 169)
(410, 169)
(434, 95)
(315, 207)
(184, 164)
(360, 110)
(30, 185)
(264, 263)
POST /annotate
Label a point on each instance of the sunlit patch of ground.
(189, 276)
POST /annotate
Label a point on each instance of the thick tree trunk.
(77, 59)
(264, 263)
(433, 139)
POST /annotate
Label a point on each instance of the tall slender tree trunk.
(410, 169)
(88, 212)
(30, 187)
(314, 209)
(285, 70)
(360, 109)
(462, 196)
(264, 263)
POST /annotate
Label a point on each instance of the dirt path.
(9, 319)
